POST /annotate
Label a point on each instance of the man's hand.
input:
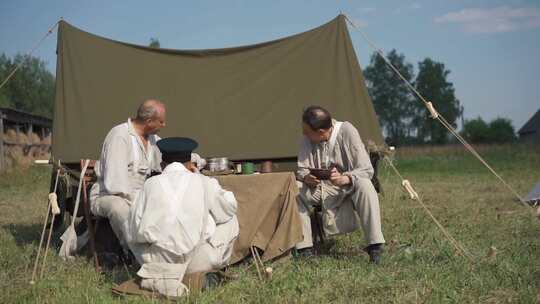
(337, 179)
(311, 180)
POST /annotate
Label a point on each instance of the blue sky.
(491, 47)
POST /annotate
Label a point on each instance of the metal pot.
(216, 164)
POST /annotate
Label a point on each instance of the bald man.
(348, 198)
(128, 156)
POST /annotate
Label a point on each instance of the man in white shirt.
(347, 198)
(181, 223)
(129, 155)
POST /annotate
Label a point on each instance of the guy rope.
(51, 29)
(435, 114)
(415, 197)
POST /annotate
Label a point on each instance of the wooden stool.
(91, 221)
(317, 229)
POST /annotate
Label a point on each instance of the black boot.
(375, 253)
(211, 280)
(305, 253)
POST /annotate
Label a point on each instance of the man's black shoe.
(109, 260)
(375, 252)
(306, 253)
(211, 280)
(227, 276)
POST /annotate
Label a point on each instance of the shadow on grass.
(120, 273)
(31, 234)
(24, 234)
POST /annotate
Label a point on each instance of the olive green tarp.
(242, 102)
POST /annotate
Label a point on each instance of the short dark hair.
(317, 118)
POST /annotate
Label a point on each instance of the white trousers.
(344, 207)
(163, 271)
(116, 209)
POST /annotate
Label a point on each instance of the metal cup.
(248, 168)
(266, 166)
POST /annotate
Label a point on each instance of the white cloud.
(494, 20)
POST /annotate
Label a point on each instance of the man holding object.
(348, 198)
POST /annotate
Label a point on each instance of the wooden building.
(20, 121)
(530, 132)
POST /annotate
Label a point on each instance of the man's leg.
(116, 209)
(215, 253)
(163, 272)
(367, 206)
(333, 197)
(303, 200)
(210, 257)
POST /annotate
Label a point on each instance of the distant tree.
(432, 83)
(5, 63)
(154, 43)
(4, 102)
(501, 130)
(392, 99)
(31, 88)
(476, 131)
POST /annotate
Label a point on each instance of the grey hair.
(148, 109)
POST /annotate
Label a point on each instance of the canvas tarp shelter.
(242, 102)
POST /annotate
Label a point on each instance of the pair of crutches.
(53, 209)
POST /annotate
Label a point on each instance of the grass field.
(419, 264)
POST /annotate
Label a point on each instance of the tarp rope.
(413, 195)
(51, 29)
(435, 114)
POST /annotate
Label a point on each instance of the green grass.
(419, 265)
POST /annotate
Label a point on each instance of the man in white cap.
(182, 222)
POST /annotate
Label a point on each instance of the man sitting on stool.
(128, 157)
(182, 222)
(348, 197)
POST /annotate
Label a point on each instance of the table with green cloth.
(267, 213)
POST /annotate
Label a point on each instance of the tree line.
(32, 87)
(404, 119)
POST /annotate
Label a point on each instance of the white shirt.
(178, 210)
(124, 162)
